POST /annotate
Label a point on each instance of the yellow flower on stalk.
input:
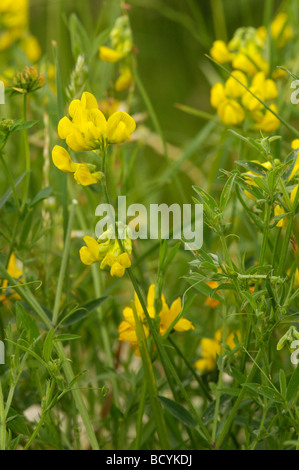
(249, 176)
(13, 21)
(279, 210)
(211, 348)
(108, 251)
(110, 55)
(295, 146)
(267, 122)
(264, 89)
(233, 89)
(15, 272)
(210, 302)
(280, 30)
(166, 316)
(82, 174)
(125, 79)
(87, 128)
(32, 48)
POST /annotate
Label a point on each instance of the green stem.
(63, 266)
(2, 421)
(237, 403)
(27, 156)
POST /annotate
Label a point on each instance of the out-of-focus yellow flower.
(279, 210)
(295, 146)
(210, 302)
(296, 279)
(32, 48)
(220, 52)
(167, 315)
(267, 122)
(15, 271)
(82, 174)
(211, 348)
(231, 112)
(280, 30)
(125, 79)
(217, 95)
(250, 61)
(13, 21)
(249, 177)
(109, 106)
(108, 252)
(264, 89)
(87, 128)
(110, 55)
(233, 89)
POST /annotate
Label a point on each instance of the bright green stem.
(63, 265)
(27, 155)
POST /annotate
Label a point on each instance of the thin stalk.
(27, 155)
(63, 265)
(2, 421)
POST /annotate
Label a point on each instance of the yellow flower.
(220, 52)
(217, 95)
(108, 252)
(280, 30)
(279, 210)
(87, 128)
(210, 302)
(32, 48)
(295, 146)
(231, 113)
(125, 79)
(166, 316)
(15, 272)
(82, 174)
(233, 89)
(211, 348)
(264, 89)
(267, 122)
(110, 55)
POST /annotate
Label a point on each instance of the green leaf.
(82, 312)
(253, 167)
(282, 383)
(226, 193)
(293, 385)
(45, 193)
(265, 391)
(16, 423)
(48, 346)
(66, 337)
(8, 193)
(178, 411)
(27, 321)
(21, 125)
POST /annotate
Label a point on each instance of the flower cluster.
(27, 81)
(122, 45)
(245, 52)
(211, 348)
(14, 28)
(107, 250)
(166, 316)
(88, 130)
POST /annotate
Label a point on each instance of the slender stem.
(27, 156)
(2, 421)
(63, 266)
(36, 431)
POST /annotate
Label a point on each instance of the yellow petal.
(109, 55)
(84, 176)
(89, 254)
(65, 127)
(12, 267)
(119, 127)
(117, 270)
(89, 101)
(124, 81)
(124, 260)
(62, 160)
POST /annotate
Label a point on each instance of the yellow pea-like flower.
(233, 89)
(127, 328)
(110, 55)
(120, 126)
(267, 122)
(217, 95)
(85, 177)
(220, 52)
(125, 79)
(231, 113)
(91, 253)
(211, 348)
